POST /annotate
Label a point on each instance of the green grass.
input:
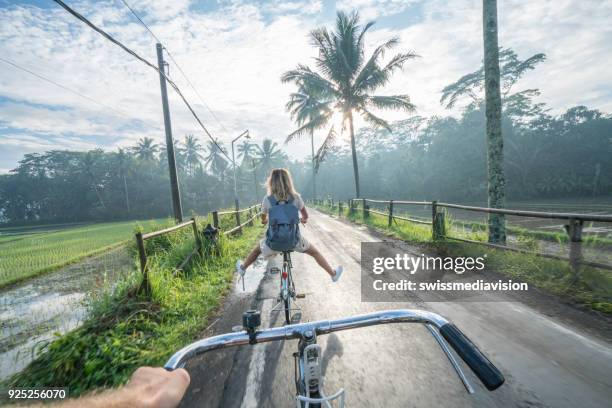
(126, 330)
(592, 288)
(25, 255)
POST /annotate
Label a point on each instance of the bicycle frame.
(443, 331)
(287, 293)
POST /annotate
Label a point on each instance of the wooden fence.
(252, 213)
(573, 228)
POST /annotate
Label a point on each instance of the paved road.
(551, 355)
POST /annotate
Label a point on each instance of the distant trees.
(345, 82)
(70, 186)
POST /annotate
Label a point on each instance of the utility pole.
(255, 179)
(246, 134)
(174, 186)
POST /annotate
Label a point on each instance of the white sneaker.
(239, 268)
(339, 271)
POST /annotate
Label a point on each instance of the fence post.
(574, 230)
(339, 208)
(363, 201)
(434, 210)
(238, 215)
(390, 212)
(215, 219)
(143, 262)
(438, 225)
(196, 234)
(351, 207)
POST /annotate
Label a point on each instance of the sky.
(234, 52)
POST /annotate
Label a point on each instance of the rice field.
(26, 252)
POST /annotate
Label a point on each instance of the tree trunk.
(314, 182)
(354, 152)
(493, 110)
(127, 197)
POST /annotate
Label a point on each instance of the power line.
(175, 63)
(64, 87)
(149, 64)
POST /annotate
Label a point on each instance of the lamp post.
(246, 135)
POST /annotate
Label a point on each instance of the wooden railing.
(142, 253)
(252, 212)
(573, 228)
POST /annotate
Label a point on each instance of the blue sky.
(235, 51)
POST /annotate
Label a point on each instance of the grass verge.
(592, 288)
(126, 330)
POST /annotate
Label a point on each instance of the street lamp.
(246, 135)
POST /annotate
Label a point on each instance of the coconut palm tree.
(268, 155)
(145, 149)
(122, 161)
(191, 153)
(305, 107)
(214, 160)
(246, 151)
(346, 80)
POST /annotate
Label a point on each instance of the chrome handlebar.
(480, 365)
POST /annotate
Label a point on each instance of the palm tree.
(305, 107)
(246, 150)
(214, 160)
(88, 166)
(123, 161)
(145, 149)
(191, 153)
(268, 155)
(493, 112)
(347, 79)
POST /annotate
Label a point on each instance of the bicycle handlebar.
(490, 376)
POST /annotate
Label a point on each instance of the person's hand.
(156, 387)
(303, 220)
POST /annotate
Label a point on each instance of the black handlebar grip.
(490, 376)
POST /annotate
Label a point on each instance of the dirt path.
(547, 361)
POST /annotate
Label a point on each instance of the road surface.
(551, 355)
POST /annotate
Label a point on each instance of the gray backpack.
(283, 225)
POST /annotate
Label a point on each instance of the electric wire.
(175, 63)
(64, 87)
(149, 64)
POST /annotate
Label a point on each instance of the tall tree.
(305, 107)
(493, 112)
(246, 150)
(347, 79)
(268, 155)
(123, 161)
(146, 149)
(214, 160)
(191, 153)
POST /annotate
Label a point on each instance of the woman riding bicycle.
(281, 192)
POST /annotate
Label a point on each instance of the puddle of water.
(32, 311)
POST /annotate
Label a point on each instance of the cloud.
(235, 51)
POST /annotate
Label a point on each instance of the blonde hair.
(280, 185)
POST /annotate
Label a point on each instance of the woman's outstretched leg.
(334, 273)
(241, 267)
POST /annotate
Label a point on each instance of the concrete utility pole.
(246, 135)
(174, 186)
